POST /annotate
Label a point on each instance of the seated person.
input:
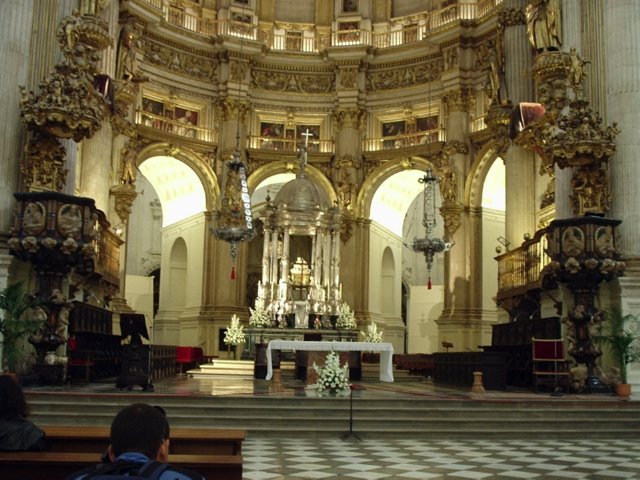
(139, 446)
(16, 432)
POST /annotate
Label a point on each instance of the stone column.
(623, 100)
(623, 82)
(15, 30)
(520, 169)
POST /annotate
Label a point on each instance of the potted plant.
(619, 332)
(14, 303)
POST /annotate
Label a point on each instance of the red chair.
(550, 367)
(190, 356)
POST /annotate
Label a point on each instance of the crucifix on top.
(303, 150)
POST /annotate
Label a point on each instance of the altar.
(385, 349)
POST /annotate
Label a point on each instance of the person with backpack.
(139, 449)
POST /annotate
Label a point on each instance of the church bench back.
(184, 441)
(58, 465)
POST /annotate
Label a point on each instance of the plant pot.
(623, 389)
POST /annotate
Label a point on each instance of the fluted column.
(520, 169)
(15, 30)
(623, 80)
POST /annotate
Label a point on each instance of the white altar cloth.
(385, 349)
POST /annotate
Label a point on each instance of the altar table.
(385, 349)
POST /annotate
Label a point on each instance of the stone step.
(391, 417)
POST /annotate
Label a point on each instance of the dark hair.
(13, 403)
(139, 428)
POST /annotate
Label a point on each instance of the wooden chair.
(550, 367)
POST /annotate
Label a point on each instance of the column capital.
(459, 100)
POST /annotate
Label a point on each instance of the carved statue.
(544, 24)
(492, 54)
(126, 65)
(576, 69)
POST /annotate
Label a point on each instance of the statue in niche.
(492, 54)
(345, 181)
(576, 69)
(544, 25)
(93, 7)
(126, 63)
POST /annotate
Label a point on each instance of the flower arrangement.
(346, 318)
(234, 334)
(332, 377)
(372, 334)
(260, 317)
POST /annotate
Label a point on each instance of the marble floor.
(328, 459)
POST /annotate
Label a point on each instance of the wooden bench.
(184, 441)
(58, 465)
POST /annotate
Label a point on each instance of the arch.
(477, 174)
(377, 178)
(312, 173)
(194, 161)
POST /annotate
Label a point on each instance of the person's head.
(140, 428)
(13, 403)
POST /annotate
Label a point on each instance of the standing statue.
(492, 54)
(126, 63)
(544, 24)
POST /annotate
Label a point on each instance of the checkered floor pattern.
(327, 459)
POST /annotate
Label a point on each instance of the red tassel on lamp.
(429, 284)
(233, 273)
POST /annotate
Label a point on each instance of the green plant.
(619, 332)
(14, 303)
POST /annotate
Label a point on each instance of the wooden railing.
(521, 266)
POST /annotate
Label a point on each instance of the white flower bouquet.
(260, 317)
(372, 334)
(346, 318)
(234, 335)
(332, 377)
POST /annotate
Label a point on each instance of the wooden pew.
(58, 465)
(184, 441)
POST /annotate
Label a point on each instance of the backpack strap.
(152, 469)
(114, 468)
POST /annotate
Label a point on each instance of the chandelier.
(233, 222)
(429, 245)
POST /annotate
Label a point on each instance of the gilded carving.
(402, 77)
(43, 165)
(510, 17)
(459, 100)
(238, 70)
(180, 62)
(348, 77)
(350, 118)
(345, 179)
(124, 195)
(230, 109)
(294, 82)
(590, 191)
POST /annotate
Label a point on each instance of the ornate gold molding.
(43, 165)
(293, 82)
(405, 76)
(180, 62)
(231, 109)
(459, 100)
(510, 17)
(350, 118)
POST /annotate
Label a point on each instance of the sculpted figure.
(544, 25)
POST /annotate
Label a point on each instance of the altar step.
(245, 369)
(390, 415)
